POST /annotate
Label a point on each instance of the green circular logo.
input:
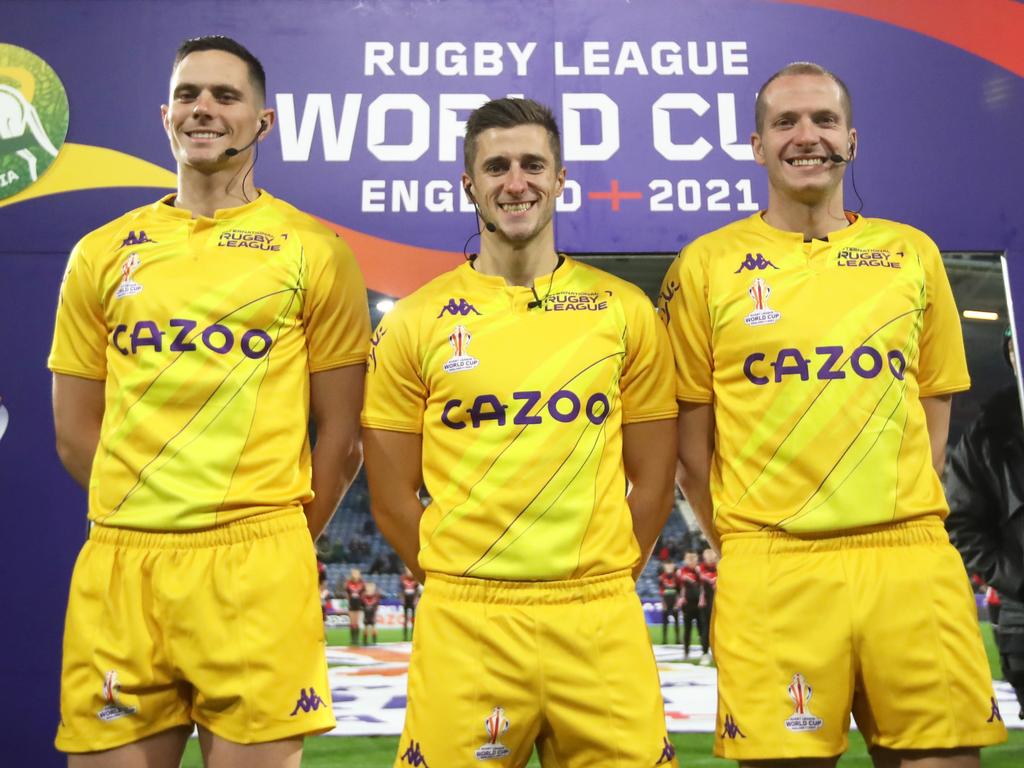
(33, 118)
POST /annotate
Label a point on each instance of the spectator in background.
(985, 488)
(354, 590)
(691, 587)
(668, 588)
(709, 579)
(371, 599)
(410, 594)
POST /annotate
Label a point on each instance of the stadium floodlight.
(977, 314)
(385, 305)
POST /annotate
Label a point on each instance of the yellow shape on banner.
(80, 166)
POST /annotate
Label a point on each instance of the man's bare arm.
(78, 406)
(648, 454)
(696, 424)
(395, 475)
(335, 398)
(936, 414)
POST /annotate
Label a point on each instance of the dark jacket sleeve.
(981, 524)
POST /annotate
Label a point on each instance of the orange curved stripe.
(991, 29)
(394, 268)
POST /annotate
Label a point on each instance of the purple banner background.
(938, 130)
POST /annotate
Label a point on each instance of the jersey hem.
(690, 397)
(392, 426)
(653, 416)
(342, 363)
(92, 375)
(951, 389)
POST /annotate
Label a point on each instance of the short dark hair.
(257, 76)
(803, 68)
(508, 113)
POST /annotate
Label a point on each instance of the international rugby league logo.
(460, 360)
(802, 719)
(33, 118)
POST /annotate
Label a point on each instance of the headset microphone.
(836, 158)
(231, 152)
(487, 225)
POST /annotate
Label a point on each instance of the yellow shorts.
(498, 667)
(879, 622)
(219, 627)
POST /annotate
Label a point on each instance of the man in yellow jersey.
(194, 338)
(523, 389)
(816, 353)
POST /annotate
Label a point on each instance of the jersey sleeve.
(646, 383)
(683, 306)
(336, 313)
(396, 395)
(942, 367)
(80, 331)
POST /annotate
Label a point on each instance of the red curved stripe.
(391, 268)
(991, 29)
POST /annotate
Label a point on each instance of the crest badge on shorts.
(802, 719)
(496, 725)
(113, 707)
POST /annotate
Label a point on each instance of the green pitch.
(693, 748)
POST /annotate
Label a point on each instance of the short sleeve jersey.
(815, 357)
(520, 409)
(205, 332)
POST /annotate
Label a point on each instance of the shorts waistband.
(236, 532)
(465, 589)
(909, 532)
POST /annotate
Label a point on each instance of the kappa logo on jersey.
(866, 257)
(802, 719)
(113, 709)
(413, 756)
(574, 301)
(563, 406)
(245, 238)
(730, 730)
(753, 262)
(995, 714)
(128, 286)
(134, 239)
(668, 752)
(496, 725)
(762, 314)
(254, 343)
(460, 360)
(377, 337)
(308, 702)
(867, 362)
(462, 308)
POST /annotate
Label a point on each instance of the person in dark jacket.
(985, 489)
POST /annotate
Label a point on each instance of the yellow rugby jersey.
(206, 331)
(815, 356)
(521, 412)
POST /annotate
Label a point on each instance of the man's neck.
(815, 220)
(205, 193)
(517, 265)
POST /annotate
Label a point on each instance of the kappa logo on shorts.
(802, 719)
(995, 715)
(461, 360)
(413, 756)
(128, 286)
(762, 314)
(730, 730)
(113, 709)
(496, 725)
(308, 702)
(668, 752)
